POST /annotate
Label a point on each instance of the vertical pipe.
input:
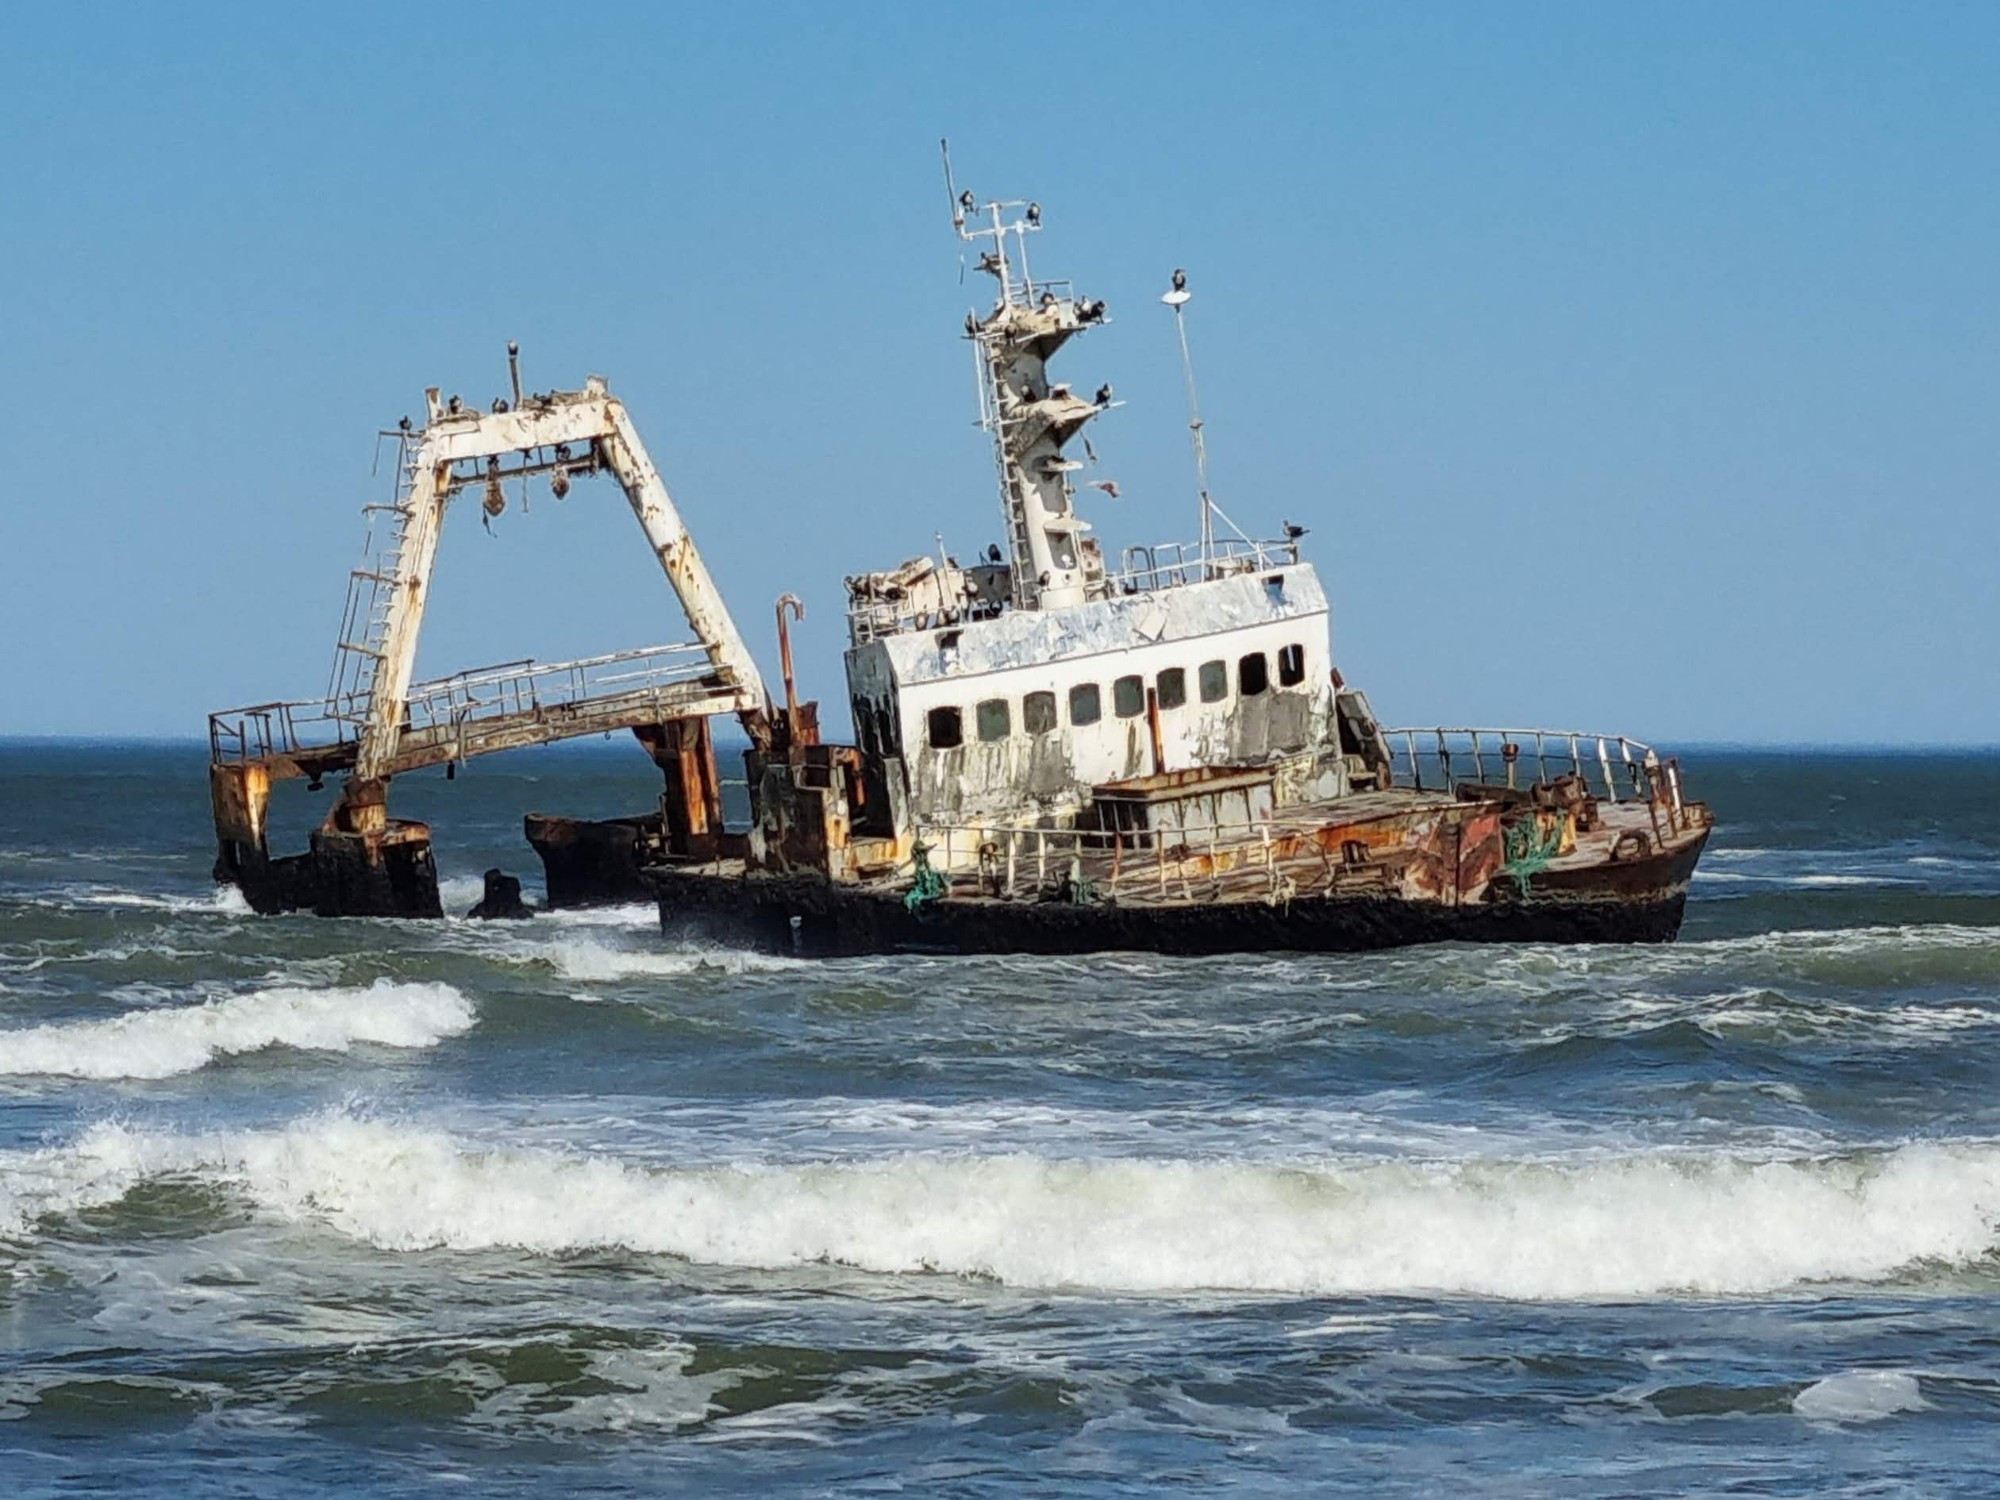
(798, 609)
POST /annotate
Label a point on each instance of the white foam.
(643, 916)
(224, 900)
(161, 1043)
(629, 1390)
(584, 959)
(1859, 1396)
(1643, 1225)
(459, 893)
(1907, 1022)
(102, 1167)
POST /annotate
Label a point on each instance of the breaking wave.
(163, 1043)
(224, 900)
(1859, 1396)
(590, 961)
(1644, 1225)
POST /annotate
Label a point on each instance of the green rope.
(1528, 850)
(930, 885)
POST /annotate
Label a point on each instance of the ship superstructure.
(1049, 753)
(1016, 686)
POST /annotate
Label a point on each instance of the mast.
(1030, 418)
(1178, 299)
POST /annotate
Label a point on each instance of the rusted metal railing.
(1438, 759)
(1166, 565)
(523, 687)
(450, 703)
(1010, 860)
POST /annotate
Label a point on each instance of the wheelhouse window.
(1253, 675)
(945, 728)
(1128, 697)
(1085, 707)
(1291, 665)
(1171, 686)
(1214, 681)
(1038, 713)
(995, 722)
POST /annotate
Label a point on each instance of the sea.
(291, 1206)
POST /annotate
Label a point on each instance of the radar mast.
(1053, 559)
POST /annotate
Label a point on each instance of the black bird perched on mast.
(966, 201)
(1035, 214)
(1104, 394)
(1180, 279)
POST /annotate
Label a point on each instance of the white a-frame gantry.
(375, 723)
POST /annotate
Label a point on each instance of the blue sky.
(1635, 368)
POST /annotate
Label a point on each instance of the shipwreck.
(1049, 754)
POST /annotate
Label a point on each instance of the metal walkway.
(477, 712)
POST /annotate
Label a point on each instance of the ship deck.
(1378, 842)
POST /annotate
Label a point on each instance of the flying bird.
(1109, 486)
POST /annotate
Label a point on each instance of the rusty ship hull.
(812, 918)
(1381, 869)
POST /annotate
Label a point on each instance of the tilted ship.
(1050, 755)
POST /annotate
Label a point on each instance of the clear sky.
(1634, 367)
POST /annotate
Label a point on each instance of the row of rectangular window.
(993, 719)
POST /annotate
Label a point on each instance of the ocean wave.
(593, 961)
(583, 956)
(1859, 1396)
(1650, 1224)
(1893, 956)
(224, 900)
(642, 915)
(1779, 1017)
(165, 1042)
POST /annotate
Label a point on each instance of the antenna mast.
(1052, 561)
(1178, 300)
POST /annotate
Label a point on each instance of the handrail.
(1609, 757)
(263, 730)
(1145, 570)
(1021, 849)
(994, 853)
(1166, 565)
